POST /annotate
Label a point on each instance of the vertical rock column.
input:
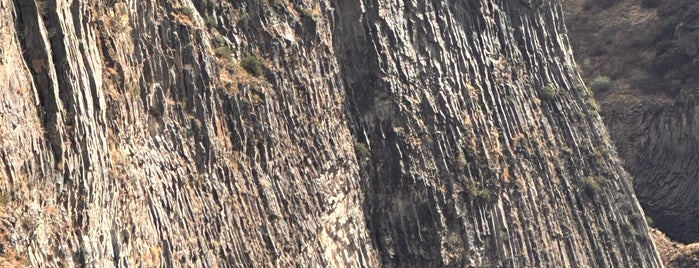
(482, 139)
(65, 172)
(140, 139)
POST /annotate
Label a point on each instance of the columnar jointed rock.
(334, 133)
(483, 140)
(649, 49)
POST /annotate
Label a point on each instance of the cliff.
(640, 58)
(307, 133)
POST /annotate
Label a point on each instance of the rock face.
(640, 58)
(308, 133)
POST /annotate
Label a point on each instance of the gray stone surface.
(392, 133)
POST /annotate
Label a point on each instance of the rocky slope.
(675, 254)
(308, 133)
(640, 58)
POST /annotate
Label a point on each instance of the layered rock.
(641, 59)
(309, 133)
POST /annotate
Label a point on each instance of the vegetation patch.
(479, 194)
(461, 163)
(306, 13)
(548, 92)
(252, 65)
(234, 75)
(244, 22)
(186, 11)
(224, 52)
(484, 195)
(601, 84)
(362, 150)
(4, 199)
(626, 229)
(184, 15)
(590, 186)
(599, 159)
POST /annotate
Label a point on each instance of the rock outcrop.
(307, 133)
(640, 58)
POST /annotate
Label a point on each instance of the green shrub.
(590, 186)
(650, 221)
(244, 22)
(477, 193)
(186, 11)
(211, 21)
(601, 84)
(484, 195)
(306, 13)
(668, 61)
(224, 52)
(548, 92)
(4, 199)
(461, 163)
(218, 40)
(362, 150)
(252, 65)
(668, 25)
(599, 159)
(626, 229)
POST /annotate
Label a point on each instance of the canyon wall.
(307, 133)
(640, 59)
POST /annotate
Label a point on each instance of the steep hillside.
(305, 133)
(640, 58)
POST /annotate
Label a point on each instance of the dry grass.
(666, 247)
(247, 72)
(119, 21)
(466, 121)
(232, 76)
(182, 18)
(10, 257)
(675, 254)
(151, 257)
(506, 175)
(686, 257)
(183, 15)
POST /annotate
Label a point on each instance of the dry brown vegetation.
(9, 257)
(234, 74)
(675, 254)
